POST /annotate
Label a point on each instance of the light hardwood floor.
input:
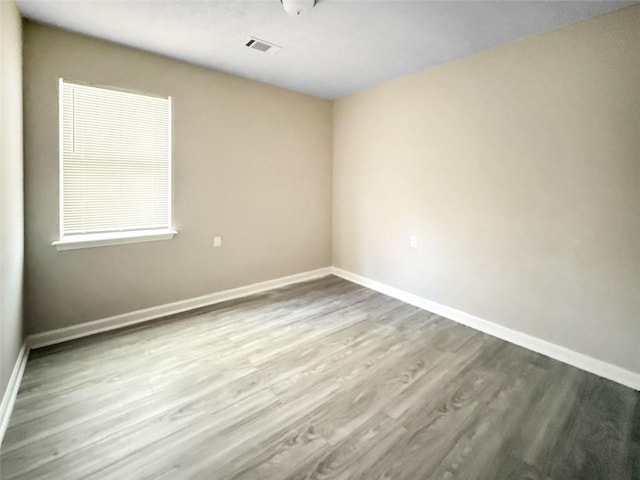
(321, 380)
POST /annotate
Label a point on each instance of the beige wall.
(252, 163)
(519, 170)
(11, 190)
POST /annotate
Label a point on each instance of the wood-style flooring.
(322, 380)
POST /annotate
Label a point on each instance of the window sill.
(91, 240)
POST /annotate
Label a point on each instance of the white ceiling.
(340, 47)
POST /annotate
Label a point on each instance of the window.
(115, 166)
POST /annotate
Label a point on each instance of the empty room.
(319, 239)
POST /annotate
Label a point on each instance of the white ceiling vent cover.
(262, 46)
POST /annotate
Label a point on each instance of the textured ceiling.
(340, 47)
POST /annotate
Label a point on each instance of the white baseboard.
(10, 394)
(118, 321)
(565, 355)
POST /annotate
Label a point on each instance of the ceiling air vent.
(261, 45)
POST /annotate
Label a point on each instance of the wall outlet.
(217, 242)
(413, 241)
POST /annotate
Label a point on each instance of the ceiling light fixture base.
(297, 8)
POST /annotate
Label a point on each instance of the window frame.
(102, 239)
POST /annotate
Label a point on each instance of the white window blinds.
(115, 161)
